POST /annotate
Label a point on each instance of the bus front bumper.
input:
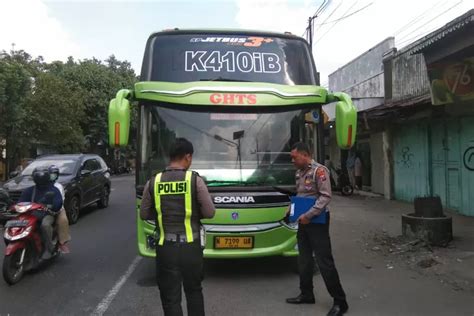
(273, 239)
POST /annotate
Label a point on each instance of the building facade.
(421, 136)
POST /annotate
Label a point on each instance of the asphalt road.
(104, 276)
(102, 248)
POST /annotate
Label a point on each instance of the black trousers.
(315, 238)
(180, 264)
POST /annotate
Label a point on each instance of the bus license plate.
(229, 242)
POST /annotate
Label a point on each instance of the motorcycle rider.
(5, 203)
(62, 223)
(38, 194)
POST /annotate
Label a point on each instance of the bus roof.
(227, 32)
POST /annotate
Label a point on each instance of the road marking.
(105, 303)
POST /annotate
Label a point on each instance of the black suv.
(85, 178)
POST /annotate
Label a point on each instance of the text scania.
(233, 199)
(231, 62)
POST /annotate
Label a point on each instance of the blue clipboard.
(300, 205)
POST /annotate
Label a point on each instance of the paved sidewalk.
(384, 274)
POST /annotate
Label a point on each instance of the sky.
(343, 31)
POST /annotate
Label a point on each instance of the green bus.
(243, 98)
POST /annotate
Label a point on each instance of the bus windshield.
(229, 148)
(231, 57)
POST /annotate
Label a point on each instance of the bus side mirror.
(119, 119)
(346, 121)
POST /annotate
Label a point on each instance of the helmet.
(54, 173)
(41, 176)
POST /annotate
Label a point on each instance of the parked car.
(85, 177)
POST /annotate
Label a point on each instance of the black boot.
(338, 309)
(301, 299)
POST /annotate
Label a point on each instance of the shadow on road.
(249, 268)
(228, 269)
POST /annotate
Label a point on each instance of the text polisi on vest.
(178, 187)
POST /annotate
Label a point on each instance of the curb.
(367, 193)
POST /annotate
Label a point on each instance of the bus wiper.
(224, 79)
(222, 181)
(234, 182)
(284, 190)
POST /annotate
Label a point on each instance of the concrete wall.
(362, 68)
(378, 164)
(409, 77)
(388, 163)
(362, 78)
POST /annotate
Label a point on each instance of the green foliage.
(54, 114)
(15, 88)
(99, 82)
(58, 105)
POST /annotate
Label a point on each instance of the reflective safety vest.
(174, 204)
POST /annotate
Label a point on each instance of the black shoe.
(46, 255)
(338, 309)
(301, 299)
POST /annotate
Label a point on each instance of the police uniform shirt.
(313, 181)
(206, 206)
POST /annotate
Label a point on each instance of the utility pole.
(319, 126)
(309, 33)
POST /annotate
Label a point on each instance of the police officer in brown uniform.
(312, 180)
(177, 199)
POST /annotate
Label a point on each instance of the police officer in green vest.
(177, 199)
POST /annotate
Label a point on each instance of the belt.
(179, 237)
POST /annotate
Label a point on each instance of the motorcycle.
(340, 182)
(24, 246)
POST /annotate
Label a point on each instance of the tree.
(15, 88)
(59, 105)
(54, 114)
(99, 82)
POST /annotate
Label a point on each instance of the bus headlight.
(292, 226)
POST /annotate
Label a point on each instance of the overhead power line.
(346, 16)
(310, 28)
(321, 8)
(322, 36)
(404, 38)
(419, 35)
(330, 14)
(417, 18)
